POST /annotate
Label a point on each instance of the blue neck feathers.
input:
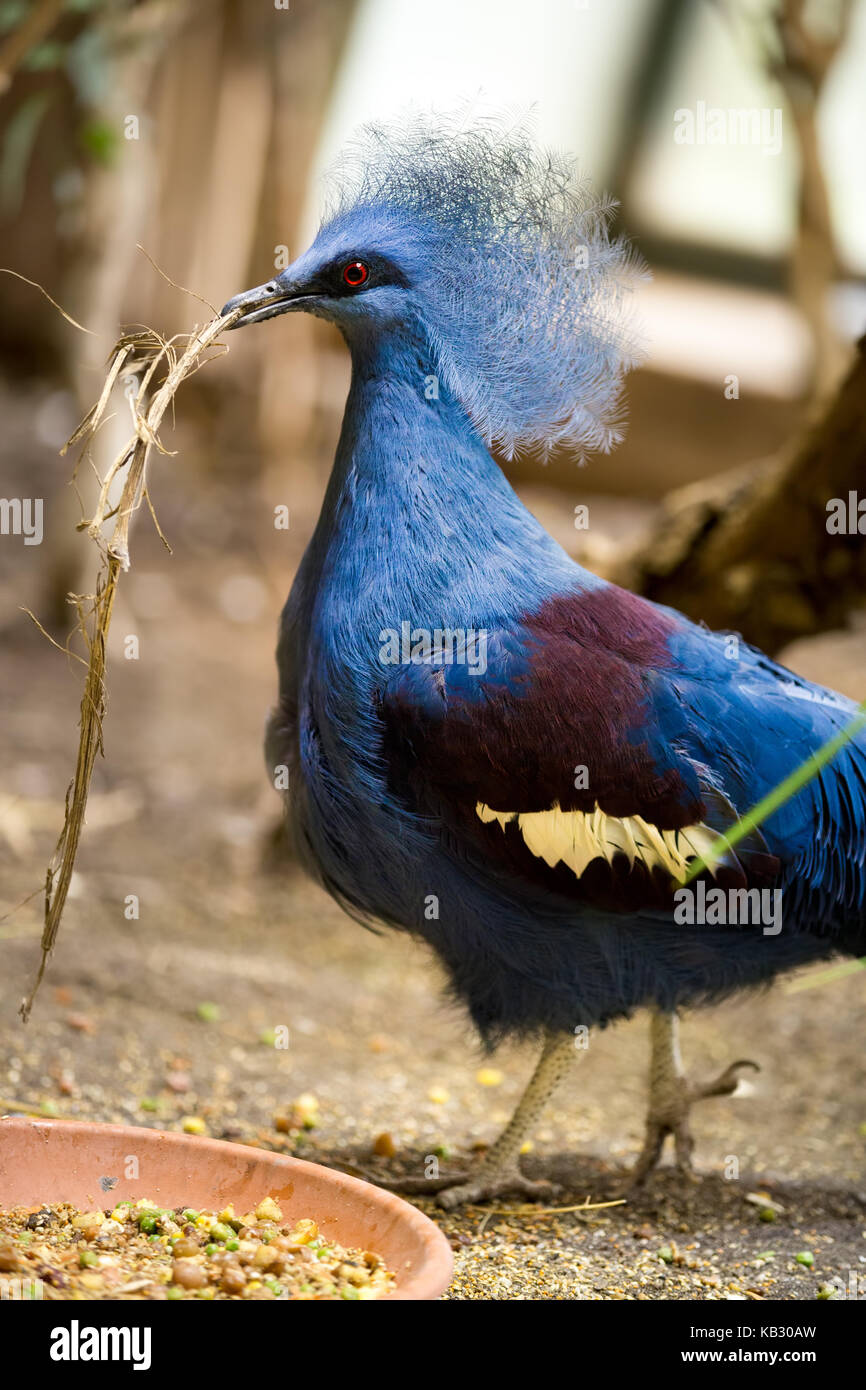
(418, 519)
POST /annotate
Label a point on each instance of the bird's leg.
(672, 1096)
(499, 1170)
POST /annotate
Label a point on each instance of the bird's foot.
(418, 1187)
(498, 1174)
(460, 1189)
(670, 1106)
(483, 1187)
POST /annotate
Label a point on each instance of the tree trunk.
(757, 549)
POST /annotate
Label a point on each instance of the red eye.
(355, 273)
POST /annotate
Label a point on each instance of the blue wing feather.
(705, 736)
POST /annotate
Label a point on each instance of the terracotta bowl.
(63, 1161)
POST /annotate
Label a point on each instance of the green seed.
(233, 1244)
(172, 1291)
(211, 1249)
(208, 1012)
(219, 1231)
(805, 1257)
(87, 1259)
(350, 1292)
(147, 1222)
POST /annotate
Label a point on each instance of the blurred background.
(192, 137)
(200, 133)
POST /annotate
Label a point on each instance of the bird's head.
(360, 272)
(469, 239)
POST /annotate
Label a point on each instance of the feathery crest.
(522, 290)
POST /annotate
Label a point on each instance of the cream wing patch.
(576, 838)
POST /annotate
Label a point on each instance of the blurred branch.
(750, 550)
(38, 24)
(801, 70)
(799, 58)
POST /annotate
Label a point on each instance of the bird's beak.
(265, 301)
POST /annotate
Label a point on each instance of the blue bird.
(489, 747)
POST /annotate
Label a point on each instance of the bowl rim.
(435, 1269)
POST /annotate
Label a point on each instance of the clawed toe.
(461, 1188)
(498, 1173)
(420, 1187)
(725, 1083)
(483, 1188)
(672, 1096)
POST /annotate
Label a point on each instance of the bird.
(488, 747)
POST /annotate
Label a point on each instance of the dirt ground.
(171, 1016)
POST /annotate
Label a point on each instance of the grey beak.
(264, 302)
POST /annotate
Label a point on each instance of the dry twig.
(140, 355)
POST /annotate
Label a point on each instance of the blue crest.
(523, 293)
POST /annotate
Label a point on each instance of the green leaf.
(11, 14)
(44, 56)
(100, 140)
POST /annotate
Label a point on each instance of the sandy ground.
(182, 818)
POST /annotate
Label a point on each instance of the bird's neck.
(416, 509)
